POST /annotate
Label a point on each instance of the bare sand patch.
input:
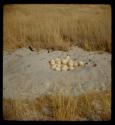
(26, 74)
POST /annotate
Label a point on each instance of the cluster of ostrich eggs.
(65, 64)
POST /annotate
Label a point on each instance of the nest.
(65, 64)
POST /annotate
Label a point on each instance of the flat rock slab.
(27, 74)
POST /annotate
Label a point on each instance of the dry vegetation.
(57, 26)
(93, 106)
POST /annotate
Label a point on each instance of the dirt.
(27, 74)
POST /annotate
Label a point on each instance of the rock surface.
(27, 74)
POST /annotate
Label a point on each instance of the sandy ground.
(27, 74)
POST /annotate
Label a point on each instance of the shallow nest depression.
(65, 64)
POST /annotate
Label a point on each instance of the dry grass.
(57, 26)
(93, 106)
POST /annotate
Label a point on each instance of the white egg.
(52, 62)
(81, 63)
(53, 66)
(70, 63)
(58, 68)
(58, 65)
(64, 61)
(58, 62)
(64, 67)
